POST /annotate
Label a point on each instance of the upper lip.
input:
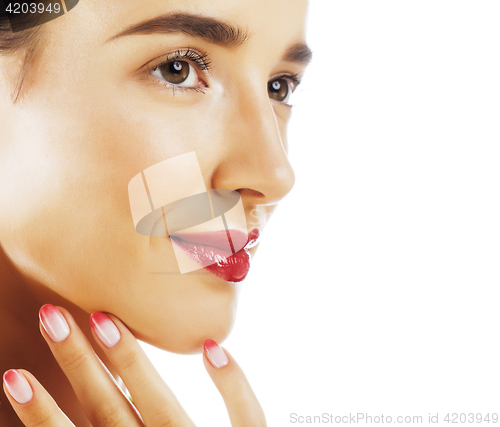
(217, 239)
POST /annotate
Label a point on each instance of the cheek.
(66, 215)
(67, 221)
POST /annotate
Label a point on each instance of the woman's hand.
(104, 403)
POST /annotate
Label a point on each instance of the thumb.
(241, 403)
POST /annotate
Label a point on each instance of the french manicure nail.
(54, 323)
(18, 386)
(105, 329)
(215, 354)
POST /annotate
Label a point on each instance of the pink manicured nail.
(54, 323)
(215, 354)
(18, 386)
(105, 329)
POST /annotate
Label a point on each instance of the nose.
(254, 160)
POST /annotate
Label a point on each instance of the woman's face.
(96, 111)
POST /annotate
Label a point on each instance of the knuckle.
(44, 417)
(73, 361)
(128, 360)
(109, 416)
(237, 385)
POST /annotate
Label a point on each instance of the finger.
(152, 397)
(96, 389)
(242, 405)
(33, 404)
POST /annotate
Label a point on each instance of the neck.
(22, 345)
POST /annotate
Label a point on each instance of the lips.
(212, 252)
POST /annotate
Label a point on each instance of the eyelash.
(294, 78)
(203, 63)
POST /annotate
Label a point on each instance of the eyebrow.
(209, 29)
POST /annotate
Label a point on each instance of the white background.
(375, 288)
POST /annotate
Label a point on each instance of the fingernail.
(18, 386)
(215, 354)
(105, 329)
(54, 323)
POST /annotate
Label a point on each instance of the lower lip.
(233, 268)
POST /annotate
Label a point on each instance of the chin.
(187, 335)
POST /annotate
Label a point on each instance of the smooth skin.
(91, 116)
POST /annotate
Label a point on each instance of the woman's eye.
(280, 90)
(180, 73)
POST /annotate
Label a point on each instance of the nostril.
(250, 192)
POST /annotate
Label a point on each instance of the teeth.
(228, 261)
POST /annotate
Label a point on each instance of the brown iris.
(175, 72)
(278, 89)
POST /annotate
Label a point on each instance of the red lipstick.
(210, 250)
